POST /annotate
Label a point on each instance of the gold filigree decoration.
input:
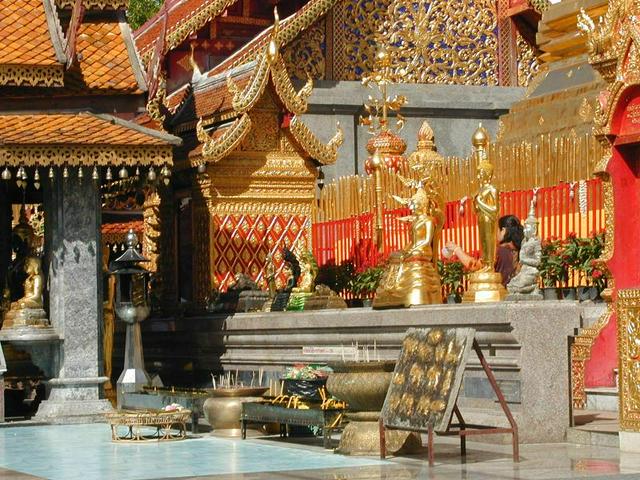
(430, 41)
(305, 56)
(95, 4)
(85, 155)
(628, 315)
(216, 149)
(585, 111)
(323, 154)
(157, 105)
(265, 138)
(528, 65)
(244, 100)
(302, 207)
(32, 75)
(294, 102)
(581, 352)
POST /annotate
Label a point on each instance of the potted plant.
(551, 268)
(365, 283)
(571, 253)
(451, 274)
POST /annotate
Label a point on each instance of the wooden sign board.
(426, 381)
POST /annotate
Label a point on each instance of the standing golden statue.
(412, 277)
(485, 284)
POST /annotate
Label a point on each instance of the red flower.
(596, 274)
(571, 235)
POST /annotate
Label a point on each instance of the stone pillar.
(75, 301)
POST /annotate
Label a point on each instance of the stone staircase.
(594, 428)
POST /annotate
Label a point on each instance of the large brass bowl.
(223, 408)
(364, 385)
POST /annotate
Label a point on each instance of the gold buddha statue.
(412, 277)
(485, 284)
(26, 311)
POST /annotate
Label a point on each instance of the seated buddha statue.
(525, 283)
(411, 277)
(28, 310)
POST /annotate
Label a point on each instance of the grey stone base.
(73, 411)
(74, 400)
(28, 334)
(524, 297)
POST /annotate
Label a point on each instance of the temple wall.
(453, 111)
(525, 343)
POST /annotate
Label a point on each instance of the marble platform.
(526, 344)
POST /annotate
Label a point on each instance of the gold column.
(376, 163)
(628, 313)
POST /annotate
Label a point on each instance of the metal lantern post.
(132, 307)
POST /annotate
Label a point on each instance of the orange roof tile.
(123, 227)
(24, 33)
(74, 129)
(105, 63)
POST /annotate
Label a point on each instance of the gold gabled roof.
(245, 86)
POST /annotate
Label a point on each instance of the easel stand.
(461, 428)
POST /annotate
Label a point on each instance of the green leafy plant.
(139, 11)
(364, 284)
(554, 266)
(451, 274)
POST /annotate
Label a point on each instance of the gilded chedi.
(411, 277)
(485, 284)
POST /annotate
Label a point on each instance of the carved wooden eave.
(228, 139)
(244, 100)
(294, 102)
(80, 139)
(95, 4)
(325, 154)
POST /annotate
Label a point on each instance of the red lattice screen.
(241, 244)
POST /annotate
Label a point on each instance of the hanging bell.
(36, 179)
(51, 174)
(137, 171)
(202, 168)
(123, 173)
(109, 176)
(165, 171)
(6, 174)
(95, 175)
(65, 172)
(166, 180)
(151, 176)
(80, 173)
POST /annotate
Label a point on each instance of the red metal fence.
(562, 209)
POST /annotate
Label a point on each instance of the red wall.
(625, 264)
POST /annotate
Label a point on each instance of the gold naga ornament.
(411, 277)
(485, 284)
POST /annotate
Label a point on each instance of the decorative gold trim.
(214, 150)
(85, 155)
(581, 352)
(244, 100)
(306, 139)
(198, 20)
(290, 28)
(95, 4)
(32, 75)
(628, 316)
(294, 102)
(157, 105)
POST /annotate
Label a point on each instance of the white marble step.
(602, 399)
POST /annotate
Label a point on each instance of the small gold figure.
(485, 284)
